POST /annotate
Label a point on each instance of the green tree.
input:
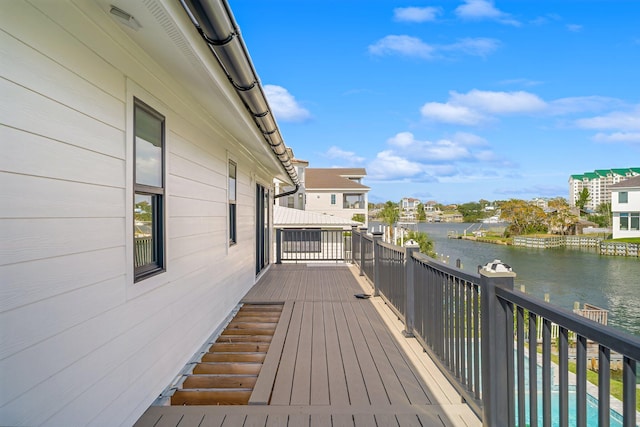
(602, 217)
(423, 240)
(358, 217)
(523, 217)
(471, 212)
(560, 219)
(390, 213)
(421, 215)
(583, 198)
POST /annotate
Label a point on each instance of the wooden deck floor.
(335, 360)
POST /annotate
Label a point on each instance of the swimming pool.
(592, 410)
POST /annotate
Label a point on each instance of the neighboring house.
(409, 207)
(431, 206)
(137, 183)
(598, 183)
(625, 207)
(337, 191)
(540, 202)
(308, 233)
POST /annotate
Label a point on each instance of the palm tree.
(390, 215)
(583, 198)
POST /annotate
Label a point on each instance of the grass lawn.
(624, 240)
(592, 377)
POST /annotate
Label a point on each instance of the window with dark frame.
(623, 197)
(148, 206)
(624, 221)
(232, 202)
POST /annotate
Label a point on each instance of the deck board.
(334, 360)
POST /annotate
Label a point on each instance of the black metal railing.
(304, 245)
(483, 335)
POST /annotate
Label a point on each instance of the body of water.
(567, 275)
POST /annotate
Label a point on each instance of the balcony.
(411, 354)
(334, 360)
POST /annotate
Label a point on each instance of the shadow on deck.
(335, 360)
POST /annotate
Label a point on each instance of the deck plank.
(301, 387)
(353, 373)
(319, 373)
(373, 335)
(284, 377)
(333, 360)
(212, 420)
(265, 381)
(373, 382)
(335, 369)
(407, 377)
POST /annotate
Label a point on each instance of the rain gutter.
(215, 23)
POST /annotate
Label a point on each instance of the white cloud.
(402, 139)
(476, 106)
(449, 113)
(483, 9)
(348, 156)
(284, 105)
(409, 46)
(389, 166)
(629, 137)
(442, 150)
(574, 28)
(474, 46)
(617, 120)
(416, 14)
(402, 45)
(498, 102)
(462, 147)
(466, 138)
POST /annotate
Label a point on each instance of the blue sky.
(452, 101)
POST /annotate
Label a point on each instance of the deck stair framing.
(227, 372)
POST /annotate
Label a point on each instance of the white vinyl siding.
(66, 173)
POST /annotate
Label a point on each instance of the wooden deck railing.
(482, 333)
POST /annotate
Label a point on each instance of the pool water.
(592, 403)
(592, 410)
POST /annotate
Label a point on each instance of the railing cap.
(497, 268)
(411, 244)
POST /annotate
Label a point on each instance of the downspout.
(288, 193)
(215, 23)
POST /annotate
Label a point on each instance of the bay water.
(568, 275)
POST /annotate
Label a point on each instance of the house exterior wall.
(82, 343)
(320, 201)
(632, 206)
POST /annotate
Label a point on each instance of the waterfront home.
(138, 162)
(337, 191)
(625, 208)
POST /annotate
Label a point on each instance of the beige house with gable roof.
(337, 191)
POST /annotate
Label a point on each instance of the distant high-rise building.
(598, 183)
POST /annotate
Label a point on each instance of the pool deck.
(335, 360)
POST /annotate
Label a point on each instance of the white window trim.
(134, 289)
